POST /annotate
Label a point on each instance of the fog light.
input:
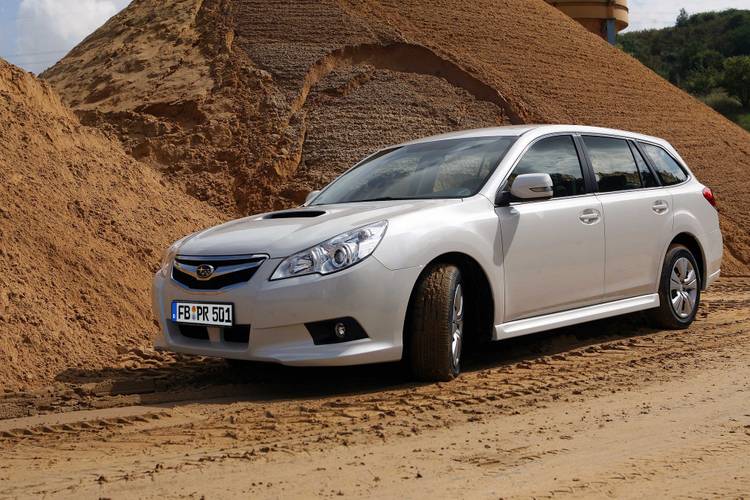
(335, 331)
(340, 330)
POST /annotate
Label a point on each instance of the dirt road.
(611, 408)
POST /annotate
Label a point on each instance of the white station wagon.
(477, 235)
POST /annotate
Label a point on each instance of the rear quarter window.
(669, 171)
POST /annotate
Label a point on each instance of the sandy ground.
(610, 408)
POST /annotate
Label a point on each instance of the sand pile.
(249, 104)
(269, 99)
(82, 227)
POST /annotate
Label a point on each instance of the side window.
(613, 164)
(556, 156)
(647, 176)
(670, 172)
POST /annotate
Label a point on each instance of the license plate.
(201, 313)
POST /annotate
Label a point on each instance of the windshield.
(453, 168)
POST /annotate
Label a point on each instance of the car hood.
(280, 234)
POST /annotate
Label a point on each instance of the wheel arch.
(691, 242)
(477, 286)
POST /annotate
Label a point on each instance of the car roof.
(538, 129)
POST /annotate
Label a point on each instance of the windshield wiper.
(381, 198)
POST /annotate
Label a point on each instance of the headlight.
(169, 254)
(338, 253)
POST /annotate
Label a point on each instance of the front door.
(553, 249)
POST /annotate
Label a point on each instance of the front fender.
(471, 228)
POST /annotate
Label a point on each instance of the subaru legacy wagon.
(419, 248)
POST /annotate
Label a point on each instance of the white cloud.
(647, 14)
(48, 28)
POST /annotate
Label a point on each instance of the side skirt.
(574, 316)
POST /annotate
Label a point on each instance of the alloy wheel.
(457, 324)
(683, 287)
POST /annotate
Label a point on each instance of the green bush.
(702, 82)
(737, 78)
(728, 106)
(724, 104)
(744, 121)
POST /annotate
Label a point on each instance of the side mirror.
(532, 187)
(526, 187)
(311, 195)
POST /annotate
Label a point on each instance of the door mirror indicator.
(532, 187)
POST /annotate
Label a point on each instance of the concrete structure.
(603, 17)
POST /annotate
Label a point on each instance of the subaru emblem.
(204, 271)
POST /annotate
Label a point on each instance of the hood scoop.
(295, 214)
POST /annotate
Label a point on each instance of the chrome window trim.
(543, 200)
(632, 190)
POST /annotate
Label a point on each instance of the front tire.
(679, 290)
(437, 324)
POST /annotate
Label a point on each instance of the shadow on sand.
(180, 378)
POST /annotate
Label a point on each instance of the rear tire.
(437, 324)
(679, 290)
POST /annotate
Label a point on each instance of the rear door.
(553, 249)
(637, 214)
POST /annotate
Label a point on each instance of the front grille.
(227, 271)
(213, 284)
(238, 334)
(194, 332)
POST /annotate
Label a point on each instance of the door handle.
(589, 216)
(660, 207)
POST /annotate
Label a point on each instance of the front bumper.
(276, 312)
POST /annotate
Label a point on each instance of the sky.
(647, 14)
(34, 34)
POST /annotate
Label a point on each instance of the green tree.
(682, 18)
(701, 82)
(737, 78)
